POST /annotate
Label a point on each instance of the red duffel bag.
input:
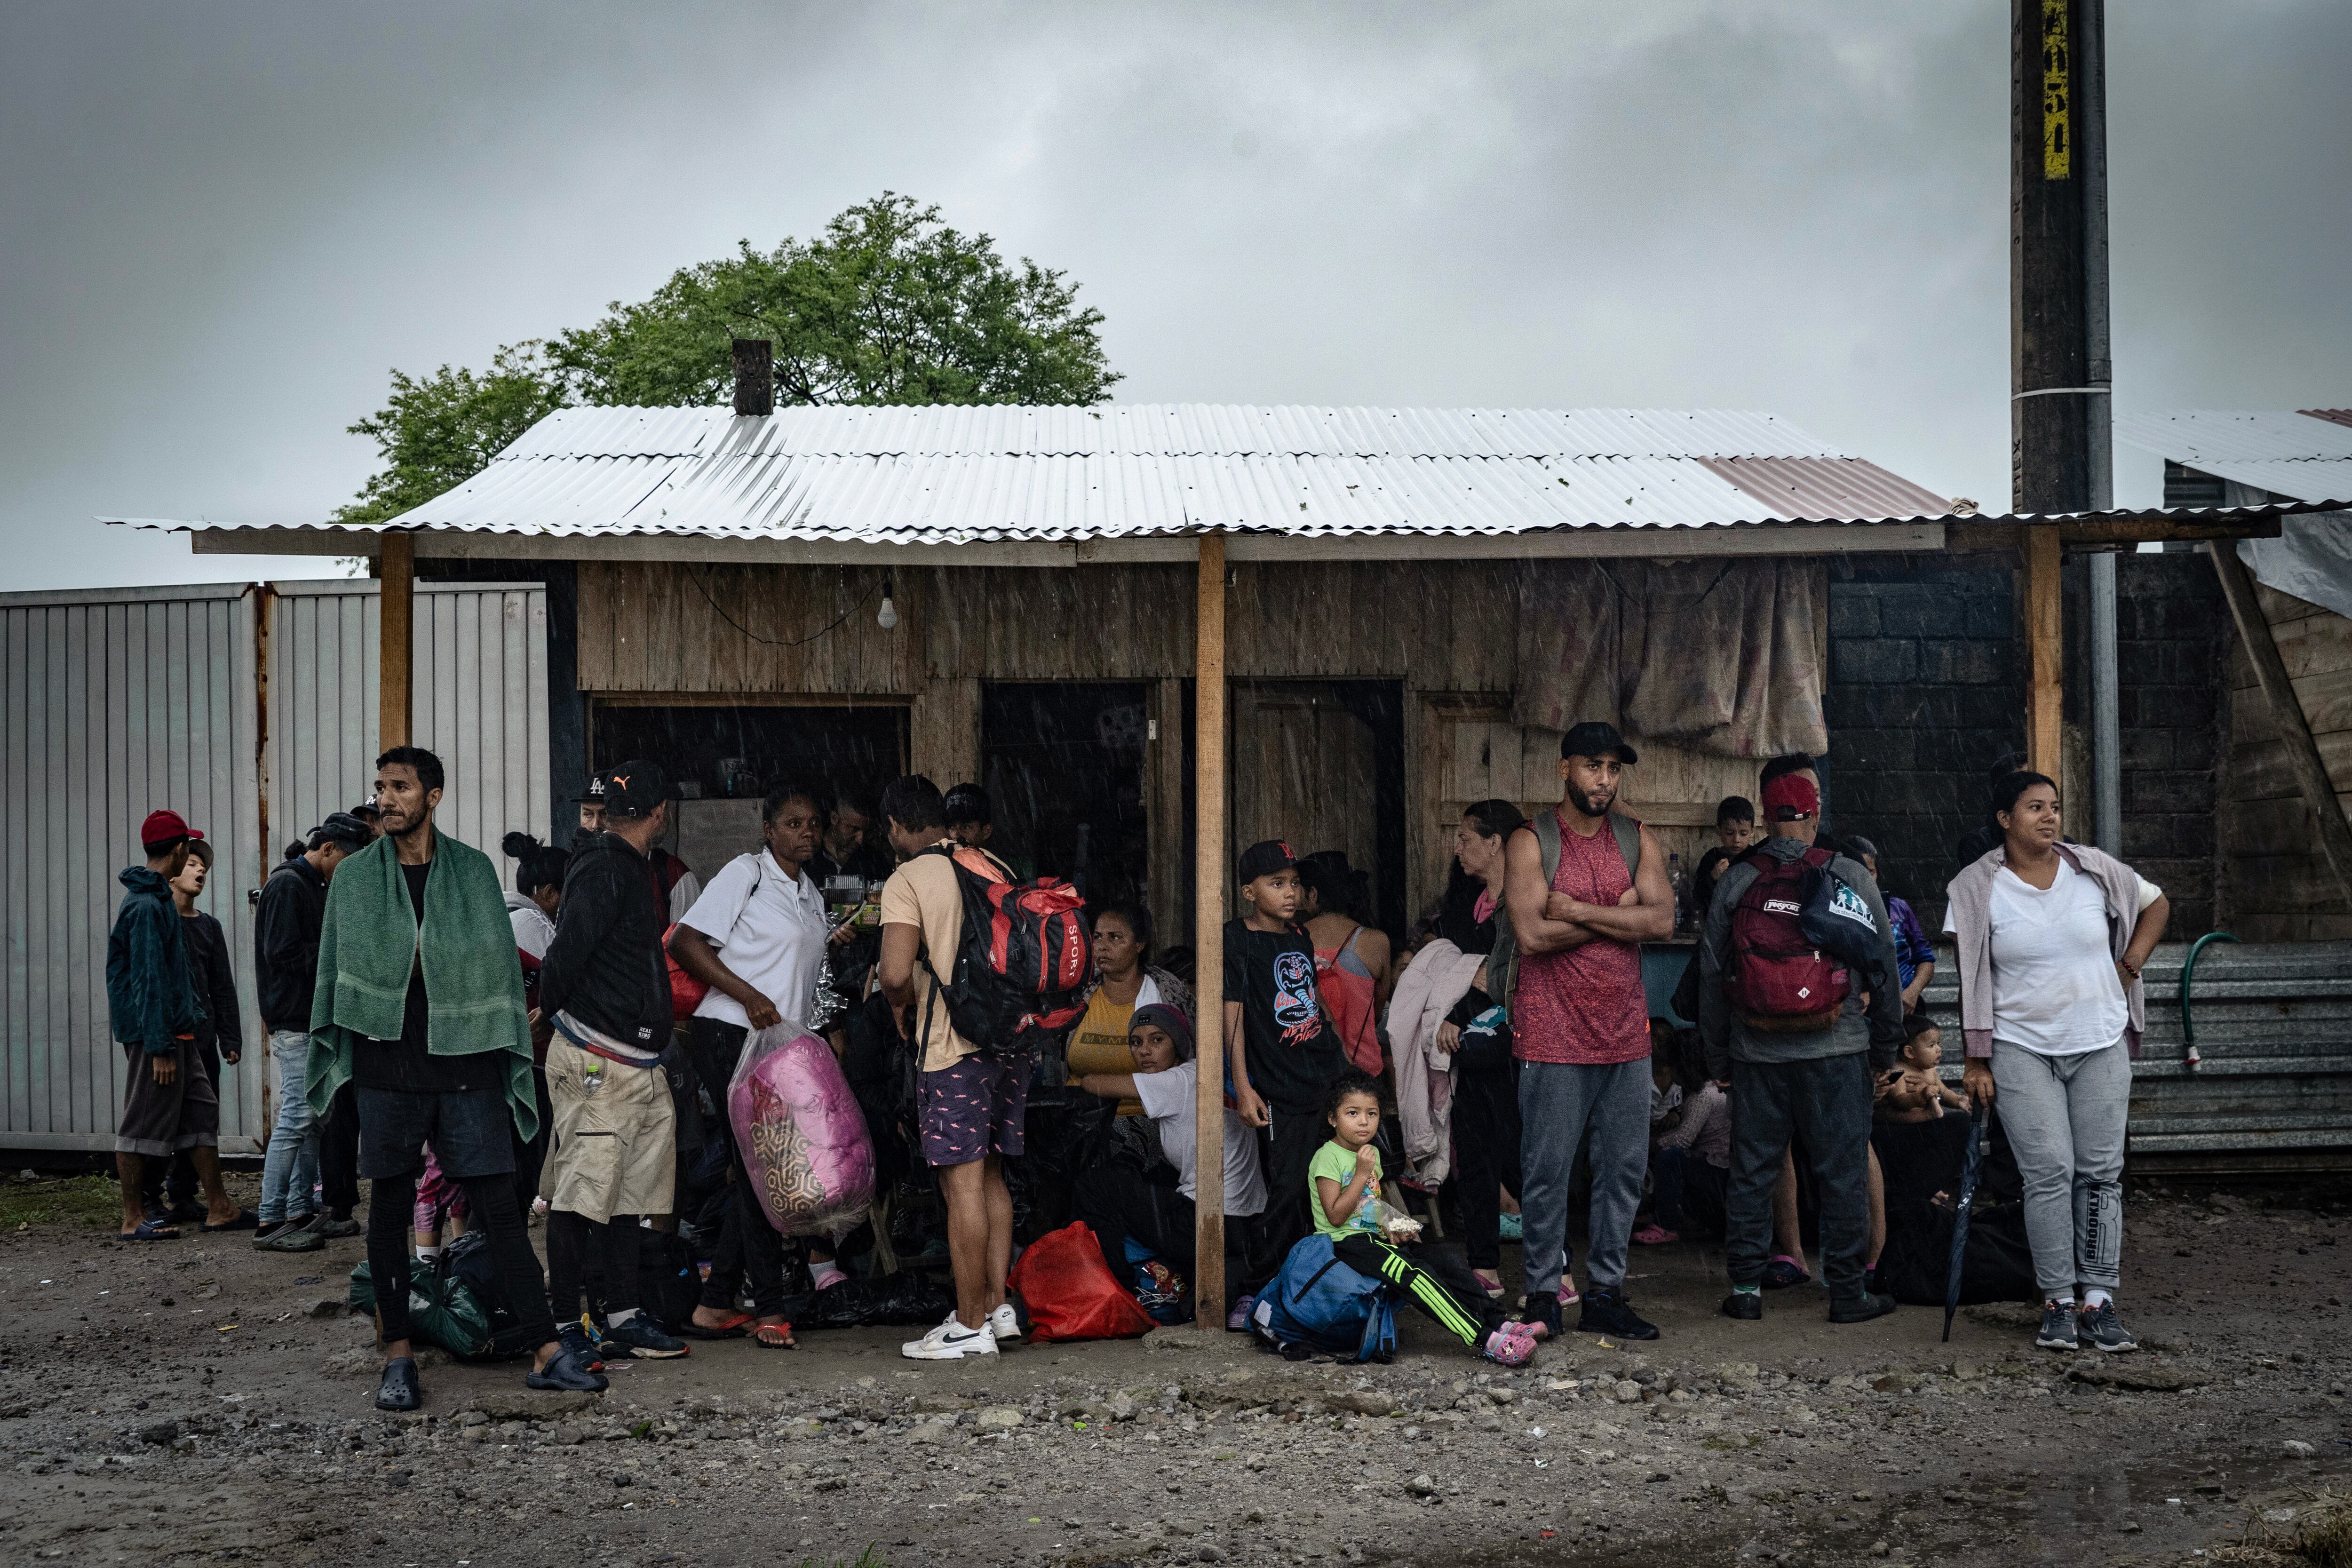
(1070, 1292)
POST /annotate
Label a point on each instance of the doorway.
(1319, 764)
(725, 754)
(1063, 765)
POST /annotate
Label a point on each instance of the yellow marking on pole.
(2057, 93)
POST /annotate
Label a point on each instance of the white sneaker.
(950, 1342)
(1004, 1323)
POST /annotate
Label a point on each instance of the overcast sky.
(224, 222)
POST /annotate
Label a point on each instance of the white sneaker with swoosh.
(1004, 1323)
(950, 1342)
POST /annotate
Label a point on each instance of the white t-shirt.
(533, 929)
(767, 928)
(2054, 987)
(1170, 1100)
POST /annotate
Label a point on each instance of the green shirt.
(1337, 1161)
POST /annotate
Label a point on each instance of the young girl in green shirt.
(1343, 1181)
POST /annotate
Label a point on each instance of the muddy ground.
(198, 1401)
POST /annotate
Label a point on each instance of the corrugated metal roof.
(2307, 455)
(955, 474)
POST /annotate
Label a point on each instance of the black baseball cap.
(1594, 739)
(594, 794)
(1264, 859)
(634, 788)
(344, 828)
(968, 803)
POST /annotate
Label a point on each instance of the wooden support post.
(2286, 711)
(2044, 654)
(396, 698)
(1208, 936)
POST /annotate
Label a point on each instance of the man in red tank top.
(1580, 1027)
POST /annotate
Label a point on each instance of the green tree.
(440, 431)
(887, 306)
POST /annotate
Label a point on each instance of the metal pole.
(2106, 697)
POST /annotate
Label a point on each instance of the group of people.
(474, 1051)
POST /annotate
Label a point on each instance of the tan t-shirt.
(922, 893)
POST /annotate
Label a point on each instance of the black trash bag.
(1997, 1265)
(669, 1286)
(467, 1259)
(881, 1070)
(442, 1310)
(906, 1298)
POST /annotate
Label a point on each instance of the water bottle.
(1679, 881)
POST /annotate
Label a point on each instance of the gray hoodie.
(1728, 1039)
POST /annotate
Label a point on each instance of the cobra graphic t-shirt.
(1293, 1053)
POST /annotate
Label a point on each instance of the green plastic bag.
(441, 1310)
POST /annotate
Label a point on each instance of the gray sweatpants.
(2064, 1117)
(1561, 1106)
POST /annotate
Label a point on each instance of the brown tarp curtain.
(1712, 656)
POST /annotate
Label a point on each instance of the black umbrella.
(1960, 1217)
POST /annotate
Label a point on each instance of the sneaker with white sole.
(1004, 1323)
(950, 1342)
(2058, 1332)
(2099, 1329)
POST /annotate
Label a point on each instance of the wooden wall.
(2275, 884)
(1447, 630)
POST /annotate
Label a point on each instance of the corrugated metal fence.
(113, 702)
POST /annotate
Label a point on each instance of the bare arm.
(698, 957)
(1108, 1085)
(1379, 957)
(2147, 933)
(1649, 916)
(1920, 978)
(1524, 893)
(1247, 1103)
(895, 969)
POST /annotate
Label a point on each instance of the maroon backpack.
(1024, 957)
(1779, 982)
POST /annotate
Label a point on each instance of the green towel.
(473, 976)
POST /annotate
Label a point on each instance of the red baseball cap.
(163, 827)
(1792, 793)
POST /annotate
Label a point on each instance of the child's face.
(1274, 895)
(1154, 1049)
(1735, 834)
(1662, 1073)
(1924, 1053)
(1356, 1121)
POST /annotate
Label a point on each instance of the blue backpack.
(1317, 1303)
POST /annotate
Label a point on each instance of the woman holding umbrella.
(2052, 937)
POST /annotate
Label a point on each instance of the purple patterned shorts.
(974, 1109)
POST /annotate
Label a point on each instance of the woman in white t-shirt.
(2052, 937)
(1154, 1208)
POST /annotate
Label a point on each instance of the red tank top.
(1348, 991)
(1584, 1006)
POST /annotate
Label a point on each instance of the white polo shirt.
(769, 929)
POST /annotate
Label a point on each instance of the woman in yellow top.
(1124, 981)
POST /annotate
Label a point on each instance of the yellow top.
(1099, 1043)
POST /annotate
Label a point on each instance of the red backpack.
(1024, 956)
(1779, 982)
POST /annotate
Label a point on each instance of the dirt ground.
(196, 1401)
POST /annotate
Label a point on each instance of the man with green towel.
(419, 1007)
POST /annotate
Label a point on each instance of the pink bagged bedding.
(803, 1139)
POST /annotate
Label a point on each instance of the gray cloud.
(226, 223)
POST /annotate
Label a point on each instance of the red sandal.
(774, 1336)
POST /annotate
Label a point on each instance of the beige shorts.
(615, 1146)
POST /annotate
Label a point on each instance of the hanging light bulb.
(888, 617)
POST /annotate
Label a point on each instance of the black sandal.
(399, 1391)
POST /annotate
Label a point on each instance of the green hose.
(2188, 969)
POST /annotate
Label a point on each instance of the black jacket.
(285, 942)
(216, 982)
(606, 966)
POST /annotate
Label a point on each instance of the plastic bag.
(441, 1311)
(803, 1139)
(1391, 1223)
(1070, 1292)
(908, 1297)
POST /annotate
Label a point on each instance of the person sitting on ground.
(613, 1156)
(173, 1194)
(1667, 1098)
(1125, 982)
(1913, 1090)
(1352, 968)
(1378, 1243)
(1914, 955)
(1697, 1145)
(154, 1011)
(1124, 1204)
(285, 972)
(419, 1008)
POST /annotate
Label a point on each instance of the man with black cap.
(1585, 886)
(1285, 1055)
(286, 966)
(168, 1103)
(1794, 1066)
(606, 987)
(675, 885)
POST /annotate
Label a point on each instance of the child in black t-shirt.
(1284, 1055)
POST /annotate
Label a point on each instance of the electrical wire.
(704, 588)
